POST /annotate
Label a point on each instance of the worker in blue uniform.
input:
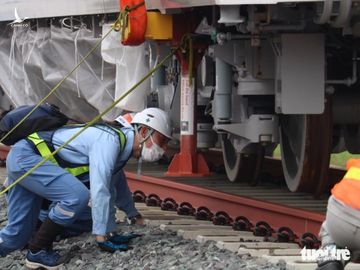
(101, 151)
(83, 223)
(123, 199)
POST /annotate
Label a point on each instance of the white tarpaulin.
(131, 66)
(34, 61)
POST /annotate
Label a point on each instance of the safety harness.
(42, 142)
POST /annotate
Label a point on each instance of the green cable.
(187, 44)
(123, 22)
(191, 61)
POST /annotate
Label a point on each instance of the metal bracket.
(258, 128)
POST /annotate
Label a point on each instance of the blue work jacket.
(98, 146)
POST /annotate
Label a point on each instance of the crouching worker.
(101, 151)
(341, 229)
(123, 201)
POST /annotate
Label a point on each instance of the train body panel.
(171, 4)
(42, 9)
(33, 9)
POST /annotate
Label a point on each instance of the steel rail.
(300, 221)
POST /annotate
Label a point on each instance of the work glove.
(111, 247)
(119, 239)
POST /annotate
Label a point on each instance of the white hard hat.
(156, 119)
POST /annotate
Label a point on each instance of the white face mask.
(154, 153)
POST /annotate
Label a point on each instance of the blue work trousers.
(69, 195)
(123, 201)
(24, 200)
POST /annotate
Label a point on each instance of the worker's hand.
(111, 247)
(119, 239)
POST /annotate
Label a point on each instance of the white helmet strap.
(147, 135)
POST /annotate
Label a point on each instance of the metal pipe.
(326, 13)
(221, 38)
(344, 13)
(223, 91)
(230, 14)
(280, 27)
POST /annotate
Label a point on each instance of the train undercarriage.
(265, 73)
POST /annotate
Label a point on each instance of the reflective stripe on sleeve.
(353, 173)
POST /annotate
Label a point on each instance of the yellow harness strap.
(42, 147)
(353, 173)
(45, 151)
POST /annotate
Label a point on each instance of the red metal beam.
(300, 221)
(189, 162)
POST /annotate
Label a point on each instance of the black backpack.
(45, 117)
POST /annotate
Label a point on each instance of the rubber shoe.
(331, 265)
(47, 259)
(111, 247)
(119, 239)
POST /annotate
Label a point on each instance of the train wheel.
(241, 167)
(232, 159)
(305, 149)
(324, 141)
(254, 166)
(293, 136)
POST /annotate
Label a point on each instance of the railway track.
(269, 204)
(266, 220)
(287, 255)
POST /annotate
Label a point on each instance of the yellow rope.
(187, 46)
(124, 19)
(191, 60)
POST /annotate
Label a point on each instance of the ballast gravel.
(156, 249)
